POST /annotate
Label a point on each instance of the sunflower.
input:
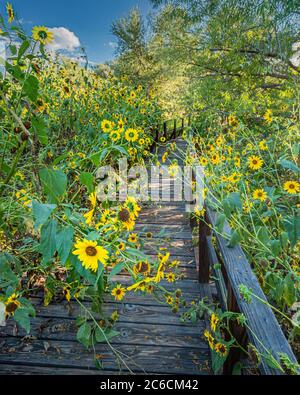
(169, 300)
(237, 161)
(255, 162)
(268, 116)
(42, 34)
(170, 277)
(10, 12)
(221, 349)
(132, 95)
(41, 105)
(235, 177)
(203, 161)
(121, 246)
(259, 194)
(219, 141)
(262, 145)
(131, 135)
(214, 321)
(149, 288)
(89, 253)
(118, 292)
(107, 126)
(12, 304)
(209, 339)
(215, 159)
(142, 267)
(115, 135)
(132, 205)
(133, 238)
(291, 187)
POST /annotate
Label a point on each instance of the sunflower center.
(124, 215)
(91, 251)
(292, 186)
(254, 161)
(43, 35)
(118, 292)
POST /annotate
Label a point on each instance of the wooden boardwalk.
(151, 336)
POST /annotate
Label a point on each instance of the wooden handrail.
(263, 329)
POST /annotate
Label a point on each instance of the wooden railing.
(170, 129)
(262, 328)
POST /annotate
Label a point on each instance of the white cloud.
(63, 39)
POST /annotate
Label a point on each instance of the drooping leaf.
(54, 183)
(64, 243)
(48, 240)
(87, 179)
(84, 334)
(41, 212)
(31, 87)
(40, 127)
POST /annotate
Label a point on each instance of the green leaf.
(64, 243)
(275, 247)
(98, 157)
(263, 235)
(292, 226)
(23, 48)
(289, 290)
(7, 276)
(21, 316)
(234, 239)
(136, 253)
(117, 269)
(102, 336)
(271, 361)
(48, 240)
(84, 334)
(287, 164)
(40, 127)
(54, 183)
(284, 239)
(31, 87)
(220, 222)
(217, 361)
(41, 212)
(87, 179)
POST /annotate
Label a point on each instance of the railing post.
(237, 331)
(165, 130)
(174, 130)
(204, 231)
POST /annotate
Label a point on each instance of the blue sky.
(89, 20)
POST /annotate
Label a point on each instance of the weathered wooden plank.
(175, 247)
(28, 370)
(260, 317)
(128, 313)
(130, 333)
(149, 359)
